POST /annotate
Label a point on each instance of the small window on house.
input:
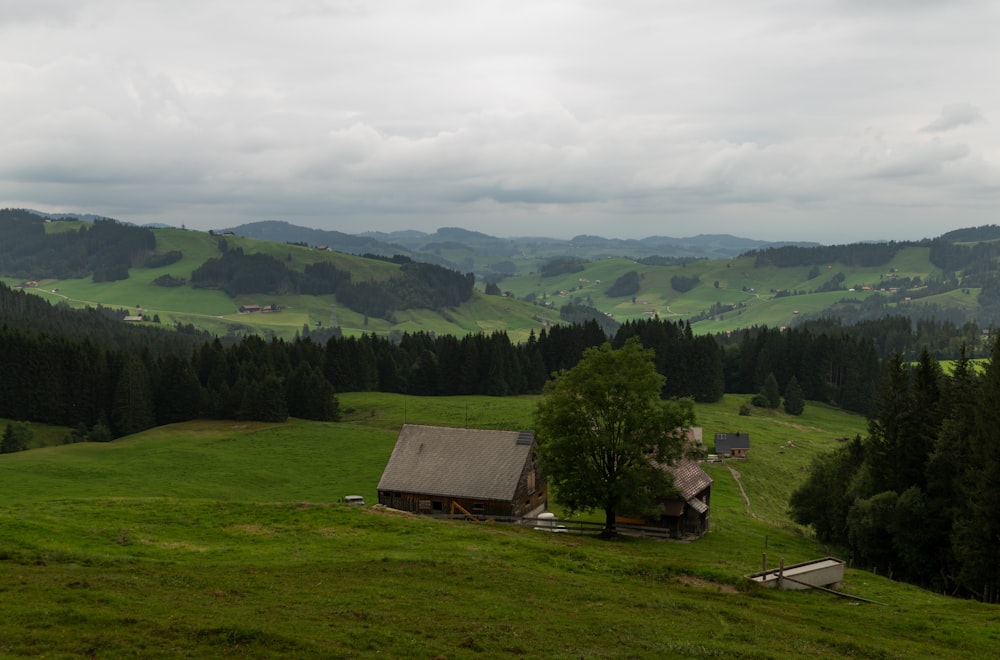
(436, 505)
(424, 504)
(479, 507)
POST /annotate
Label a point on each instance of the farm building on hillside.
(687, 513)
(438, 470)
(732, 445)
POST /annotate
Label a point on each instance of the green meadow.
(217, 313)
(226, 539)
(741, 293)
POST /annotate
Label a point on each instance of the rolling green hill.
(218, 313)
(716, 295)
(730, 294)
(210, 539)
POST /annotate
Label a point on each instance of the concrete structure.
(827, 572)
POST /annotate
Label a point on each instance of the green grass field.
(745, 292)
(210, 539)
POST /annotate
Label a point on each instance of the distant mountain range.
(429, 247)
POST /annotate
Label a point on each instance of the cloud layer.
(832, 121)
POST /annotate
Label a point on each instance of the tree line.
(105, 249)
(917, 497)
(854, 254)
(67, 367)
(85, 369)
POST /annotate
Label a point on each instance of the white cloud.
(791, 119)
(953, 116)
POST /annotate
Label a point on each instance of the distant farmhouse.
(438, 470)
(732, 445)
(254, 309)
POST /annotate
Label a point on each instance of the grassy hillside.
(730, 293)
(216, 312)
(745, 293)
(214, 538)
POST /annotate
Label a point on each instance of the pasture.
(210, 539)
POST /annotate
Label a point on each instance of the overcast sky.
(824, 120)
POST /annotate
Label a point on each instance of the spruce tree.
(10, 442)
(978, 525)
(132, 408)
(771, 391)
(795, 402)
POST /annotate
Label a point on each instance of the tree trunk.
(610, 529)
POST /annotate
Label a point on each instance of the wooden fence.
(564, 526)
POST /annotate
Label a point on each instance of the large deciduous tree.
(601, 425)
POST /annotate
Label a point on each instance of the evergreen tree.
(977, 528)
(264, 401)
(309, 395)
(132, 410)
(824, 499)
(178, 392)
(423, 374)
(771, 391)
(99, 433)
(795, 402)
(470, 381)
(14, 440)
(946, 469)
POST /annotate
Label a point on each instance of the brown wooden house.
(488, 473)
(687, 514)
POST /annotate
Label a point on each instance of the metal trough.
(827, 572)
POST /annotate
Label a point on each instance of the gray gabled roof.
(450, 462)
(725, 442)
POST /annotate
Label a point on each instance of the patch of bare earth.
(701, 583)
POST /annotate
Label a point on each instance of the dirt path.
(746, 499)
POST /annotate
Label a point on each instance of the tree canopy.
(601, 426)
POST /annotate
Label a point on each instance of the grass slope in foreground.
(207, 539)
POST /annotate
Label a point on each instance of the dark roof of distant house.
(455, 462)
(733, 440)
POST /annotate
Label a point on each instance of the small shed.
(687, 514)
(482, 472)
(732, 445)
